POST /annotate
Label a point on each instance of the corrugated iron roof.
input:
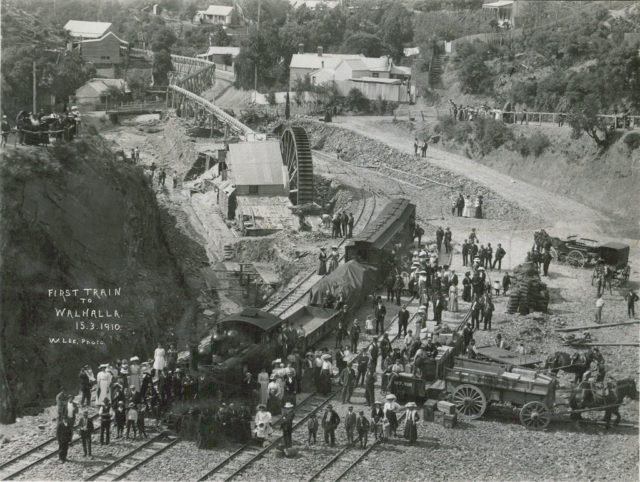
(256, 163)
(378, 231)
(215, 50)
(502, 3)
(315, 61)
(222, 10)
(81, 28)
(356, 64)
(376, 80)
(103, 37)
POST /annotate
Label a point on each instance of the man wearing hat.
(120, 418)
(354, 335)
(286, 423)
(330, 421)
(106, 415)
(348, 380)
(350, 426)
(85, 429)
(403, 321)
(439, 237)
(64, 434)
(362, 427)
(85, 386)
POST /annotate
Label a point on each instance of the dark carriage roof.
(615, 245)
(258, 318)
(394, 215)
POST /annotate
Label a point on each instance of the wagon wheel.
(576, 259)
(535, 415)
(554, 255)
(470, 401)
(296, 156)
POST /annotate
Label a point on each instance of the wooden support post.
(595, 327)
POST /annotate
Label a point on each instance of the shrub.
(521, 145)
(538, 142)
(356, 101)
(632, 140)
(271, 98)
(490, 134)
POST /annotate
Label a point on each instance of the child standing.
(132, 421)
(312, 426)
(121, 415)
(368, 325)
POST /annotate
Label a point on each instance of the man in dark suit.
(403, 321)
(380, 312)
(439, 237)
(64, 434)
(330, 422)
(348, 379)
(499, 254)
(362, 427)
(350, 426)
(465, 253)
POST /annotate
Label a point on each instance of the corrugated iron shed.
(256, 163)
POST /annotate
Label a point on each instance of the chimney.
(320, 51)
(300, 48)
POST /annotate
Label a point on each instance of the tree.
(362, 43)
(219, 36)
(357, 101)
(161, 67)
(162, 39)
(397, 29)
(583, 118)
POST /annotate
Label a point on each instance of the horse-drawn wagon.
(579, 252)
(473, 385)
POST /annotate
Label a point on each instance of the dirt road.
(563, 215)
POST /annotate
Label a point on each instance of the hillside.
(74, 217)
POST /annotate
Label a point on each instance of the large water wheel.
(296, 155)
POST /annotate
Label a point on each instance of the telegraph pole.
(34, 87)
(255, 65)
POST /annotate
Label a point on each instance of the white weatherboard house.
(375, 77)
(215, 14)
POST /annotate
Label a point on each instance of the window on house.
(375, 74)
(253, 189)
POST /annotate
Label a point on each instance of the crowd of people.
(125, 392)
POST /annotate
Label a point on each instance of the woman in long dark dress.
(411, 423)
(322, 257)
(466, 288)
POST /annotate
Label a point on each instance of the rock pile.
(365, 152)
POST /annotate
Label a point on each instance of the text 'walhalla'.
(86, 313)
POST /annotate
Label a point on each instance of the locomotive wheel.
(576, 259)
(470, 401)
(535, 416)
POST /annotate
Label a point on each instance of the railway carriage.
(391, 232)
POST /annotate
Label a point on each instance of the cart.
(475, 384)
(579, 252)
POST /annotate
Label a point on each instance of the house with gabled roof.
(215, 14)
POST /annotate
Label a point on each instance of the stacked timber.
(528, 292)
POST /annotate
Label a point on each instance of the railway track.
(241, 459)
(136, 458)
(246, 454)
(32, 457)
(281, 305)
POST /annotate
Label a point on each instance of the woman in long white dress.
(263, 381)
(263, 423)
(159, 359)
(104, 385)
(467, 212)
(453, 298)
